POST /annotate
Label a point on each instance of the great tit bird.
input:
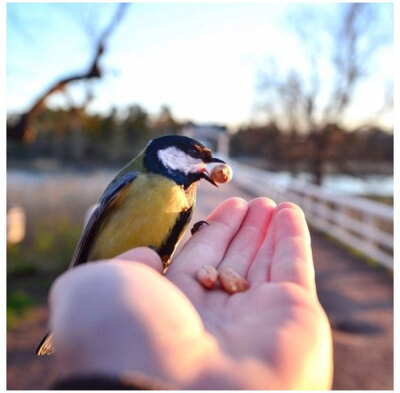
(149, 203)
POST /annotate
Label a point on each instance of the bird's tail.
(46, 346)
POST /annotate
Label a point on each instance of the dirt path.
(357, 298)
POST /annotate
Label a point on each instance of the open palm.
(275, 335)
(277, 324)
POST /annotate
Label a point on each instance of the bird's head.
(180, 158)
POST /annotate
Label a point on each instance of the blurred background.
(297, 97)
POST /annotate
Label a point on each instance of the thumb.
(143, 255)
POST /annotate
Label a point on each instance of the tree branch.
(23, 129)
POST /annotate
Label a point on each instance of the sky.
(203, 60)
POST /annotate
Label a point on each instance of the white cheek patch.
(176, 159)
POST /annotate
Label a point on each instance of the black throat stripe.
(168, 247)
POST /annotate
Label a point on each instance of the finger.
(143, 255)
(208, 246)
(259, 269)
(292, 260)
(247, 241)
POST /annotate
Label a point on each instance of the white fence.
(364, 225)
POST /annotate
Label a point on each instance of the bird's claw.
(197, 225)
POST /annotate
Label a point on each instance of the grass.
(54, 205)
(33, 265)
(49, 250)
(19, 306)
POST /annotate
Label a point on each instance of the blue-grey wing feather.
(85, 242)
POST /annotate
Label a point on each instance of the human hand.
(275, 335)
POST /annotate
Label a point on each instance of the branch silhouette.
(23, 129)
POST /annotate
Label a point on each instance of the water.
(379, 185)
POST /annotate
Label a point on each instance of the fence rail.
(364, 225)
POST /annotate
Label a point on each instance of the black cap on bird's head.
(180, 158)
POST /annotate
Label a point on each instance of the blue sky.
(200, 59)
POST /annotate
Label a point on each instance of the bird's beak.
(205, 175)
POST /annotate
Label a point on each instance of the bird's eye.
(195, 151)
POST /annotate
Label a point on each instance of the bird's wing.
(106, 202)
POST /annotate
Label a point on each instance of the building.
(216, 137)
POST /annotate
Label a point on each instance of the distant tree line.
(346, 150)
(80, 137)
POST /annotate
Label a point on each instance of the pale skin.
(123, 316)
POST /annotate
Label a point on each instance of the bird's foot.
(197, 226)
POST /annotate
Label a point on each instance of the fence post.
(16, 223)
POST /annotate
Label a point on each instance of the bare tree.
(23, 129)
(298, 98)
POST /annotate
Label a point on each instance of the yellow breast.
(143, 215)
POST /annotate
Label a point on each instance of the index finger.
(208, 246)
